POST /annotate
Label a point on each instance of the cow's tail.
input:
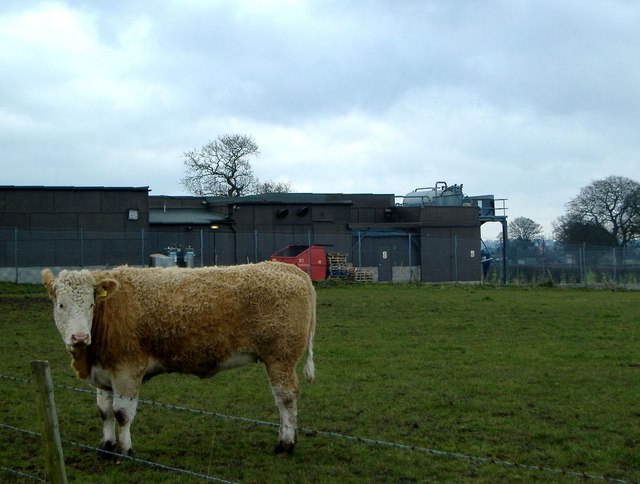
(309, 370)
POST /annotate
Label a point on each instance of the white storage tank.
(441, 195)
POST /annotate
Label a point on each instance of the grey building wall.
(450, 244)
(87, 226)
(52, 225)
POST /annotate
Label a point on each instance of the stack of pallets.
(337, 265)
(363, 275)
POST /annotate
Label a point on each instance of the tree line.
(605, 212)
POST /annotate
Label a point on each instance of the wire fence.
(383, 255)
(118, 457)
(379, 256)
(373, 442)
(34, 248)
(551, 263)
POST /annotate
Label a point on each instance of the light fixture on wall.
(133, 214)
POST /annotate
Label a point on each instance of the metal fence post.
(410, 263)
(584, 263)
(505, 238)
(142, 248)
(15, 251)
(455, 256)
(255, 245)
(580, 265)
(544, 260)
(202, 249)
(81, 248)
(309, 245)
(51, 442)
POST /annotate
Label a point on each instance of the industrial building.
(429, 235)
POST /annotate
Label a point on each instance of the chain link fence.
(393, 256)
(371, 255)
(550, 263)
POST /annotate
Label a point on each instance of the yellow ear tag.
(102, 292)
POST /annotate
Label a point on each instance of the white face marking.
(73, 307)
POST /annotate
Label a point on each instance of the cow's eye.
(61, 305)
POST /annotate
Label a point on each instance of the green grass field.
(531, 376)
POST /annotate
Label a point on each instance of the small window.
(133, 214)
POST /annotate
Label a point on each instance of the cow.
(123, 326)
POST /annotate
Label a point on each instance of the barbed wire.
(147, 462)
(353, 438)
(17, 379)
(15, 471)
(21, 474)
(116, 456)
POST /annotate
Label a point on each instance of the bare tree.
(612, 204)
(273, 187)
(525, 229)
(221, 167)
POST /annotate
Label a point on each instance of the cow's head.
(74, 295)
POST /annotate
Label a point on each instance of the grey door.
(384, 264)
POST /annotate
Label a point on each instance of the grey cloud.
(415, 91)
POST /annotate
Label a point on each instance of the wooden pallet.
(336, 258)
(337, 265)
(363, 275)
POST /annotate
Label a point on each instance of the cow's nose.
(80, 338)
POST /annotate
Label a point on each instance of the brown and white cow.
(125, 325)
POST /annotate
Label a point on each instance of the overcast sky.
(525, 100)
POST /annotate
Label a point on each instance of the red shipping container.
(312, 260)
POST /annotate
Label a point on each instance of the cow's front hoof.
(107, 451)
(126, 453)
(123, 455)
(284, 449)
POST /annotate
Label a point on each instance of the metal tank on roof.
(441, 195)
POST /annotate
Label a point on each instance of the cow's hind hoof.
(284, 449)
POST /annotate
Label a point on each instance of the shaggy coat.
(125, 325)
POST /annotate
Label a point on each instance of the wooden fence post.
(51, 442)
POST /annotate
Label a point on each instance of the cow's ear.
(106, 288)
(47, 281)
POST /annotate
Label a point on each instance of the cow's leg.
(105, 407)
(125, 403)
(125, 411)
(284, 385)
